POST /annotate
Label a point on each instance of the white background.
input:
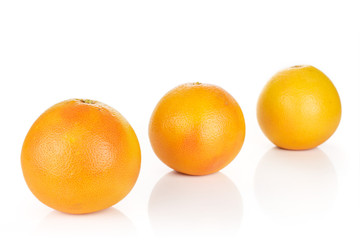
(128, 54)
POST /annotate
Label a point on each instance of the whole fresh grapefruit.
(80, 156)
(197, 129)
(299, 108)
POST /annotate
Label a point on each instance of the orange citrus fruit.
(197, 129)
(299, 108)
(80, 156)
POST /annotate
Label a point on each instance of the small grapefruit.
(80, 156)
(299, 108)
(197, 129)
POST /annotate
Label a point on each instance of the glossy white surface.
(128, 54)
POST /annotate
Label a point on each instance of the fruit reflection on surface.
(109, 222)
(188, 205)
(289, 184)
